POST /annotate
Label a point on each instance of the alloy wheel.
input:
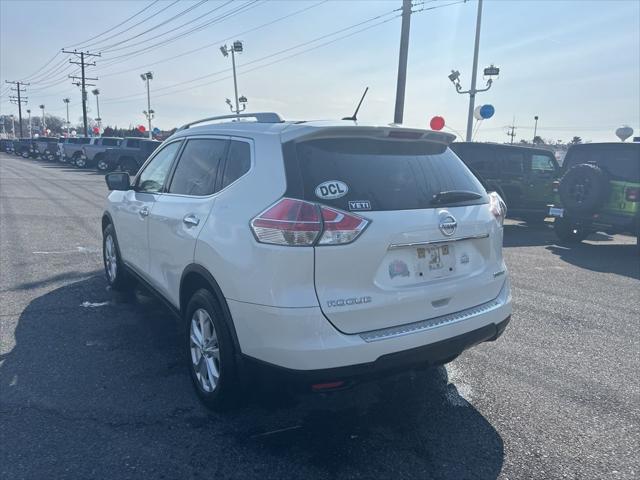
(205, 350)
(110, 258)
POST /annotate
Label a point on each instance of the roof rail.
(261, 117)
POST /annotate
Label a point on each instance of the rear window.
(375, 174)
(621, 162)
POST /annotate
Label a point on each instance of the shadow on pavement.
(107, 382)
(621, 259)
(534, 235)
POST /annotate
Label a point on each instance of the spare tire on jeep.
(584, 188)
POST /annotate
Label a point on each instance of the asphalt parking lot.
(92, 386)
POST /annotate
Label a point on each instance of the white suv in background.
(322, 252)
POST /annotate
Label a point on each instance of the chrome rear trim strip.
(409, 328)
(433, 242)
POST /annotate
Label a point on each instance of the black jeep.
(523, 176)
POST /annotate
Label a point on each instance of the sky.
(573, 63)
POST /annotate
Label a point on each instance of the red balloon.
(437, 123)
(96, 130)
(141, 128)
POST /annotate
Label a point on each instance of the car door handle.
(191, 220)
(144, 212)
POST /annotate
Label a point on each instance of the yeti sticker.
(331, 189)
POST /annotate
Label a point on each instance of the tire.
(209, 351)
(101, 164)
(80, 162)
(583, 189)
(114, 269)
(129, 165)
(73, 160)
(569, 232)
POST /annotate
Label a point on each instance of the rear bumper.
(303, 340)
(427, 355)
(613, 222)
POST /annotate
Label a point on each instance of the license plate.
(436, 260)
(556, 212)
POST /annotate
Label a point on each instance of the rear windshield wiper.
(454, 196)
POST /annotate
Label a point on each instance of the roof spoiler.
(260, 117)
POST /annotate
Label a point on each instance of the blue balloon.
(156, 130)
(487, 111)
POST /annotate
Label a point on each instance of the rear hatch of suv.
(430, 245)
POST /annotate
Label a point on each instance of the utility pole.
(81, 81)
(18, 99)
(512, 131)
(66, 102)
(535, 129)
(149, 113)
(402, 62)
(236, 47)
(13, 126)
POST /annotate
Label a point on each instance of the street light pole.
(66, 101)
(535, 129)
(236, 47)
(13, 126)
(44, 121)
(148, 112)
(30, 131)
(474, 74)
(96, 92)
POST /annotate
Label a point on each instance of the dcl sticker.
(331, 189)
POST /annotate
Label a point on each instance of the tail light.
(632, 194)
(555, 186)
(498, 207)
(299, 223)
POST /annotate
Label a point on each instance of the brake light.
(340, 227)
(632, 194)
(498, 207)
(299, 223)
(555, 186)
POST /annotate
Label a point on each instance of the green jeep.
(523, 176)
(599, 191)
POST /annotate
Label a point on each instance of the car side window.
(133, 143)
(513, 162)
(238, 162)
(198, 167)
(153, 177)
(542, 163)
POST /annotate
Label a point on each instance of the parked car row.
(102, 153)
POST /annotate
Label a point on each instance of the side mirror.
(118, 181)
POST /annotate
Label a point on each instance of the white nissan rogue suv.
(322, 252)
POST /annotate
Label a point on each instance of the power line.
(178, 15)
(217, 42)
(118, 25)
(117, 59)
(121, 99)
(172, 30)
(132, 26)
(280, 52)
(42, 67)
